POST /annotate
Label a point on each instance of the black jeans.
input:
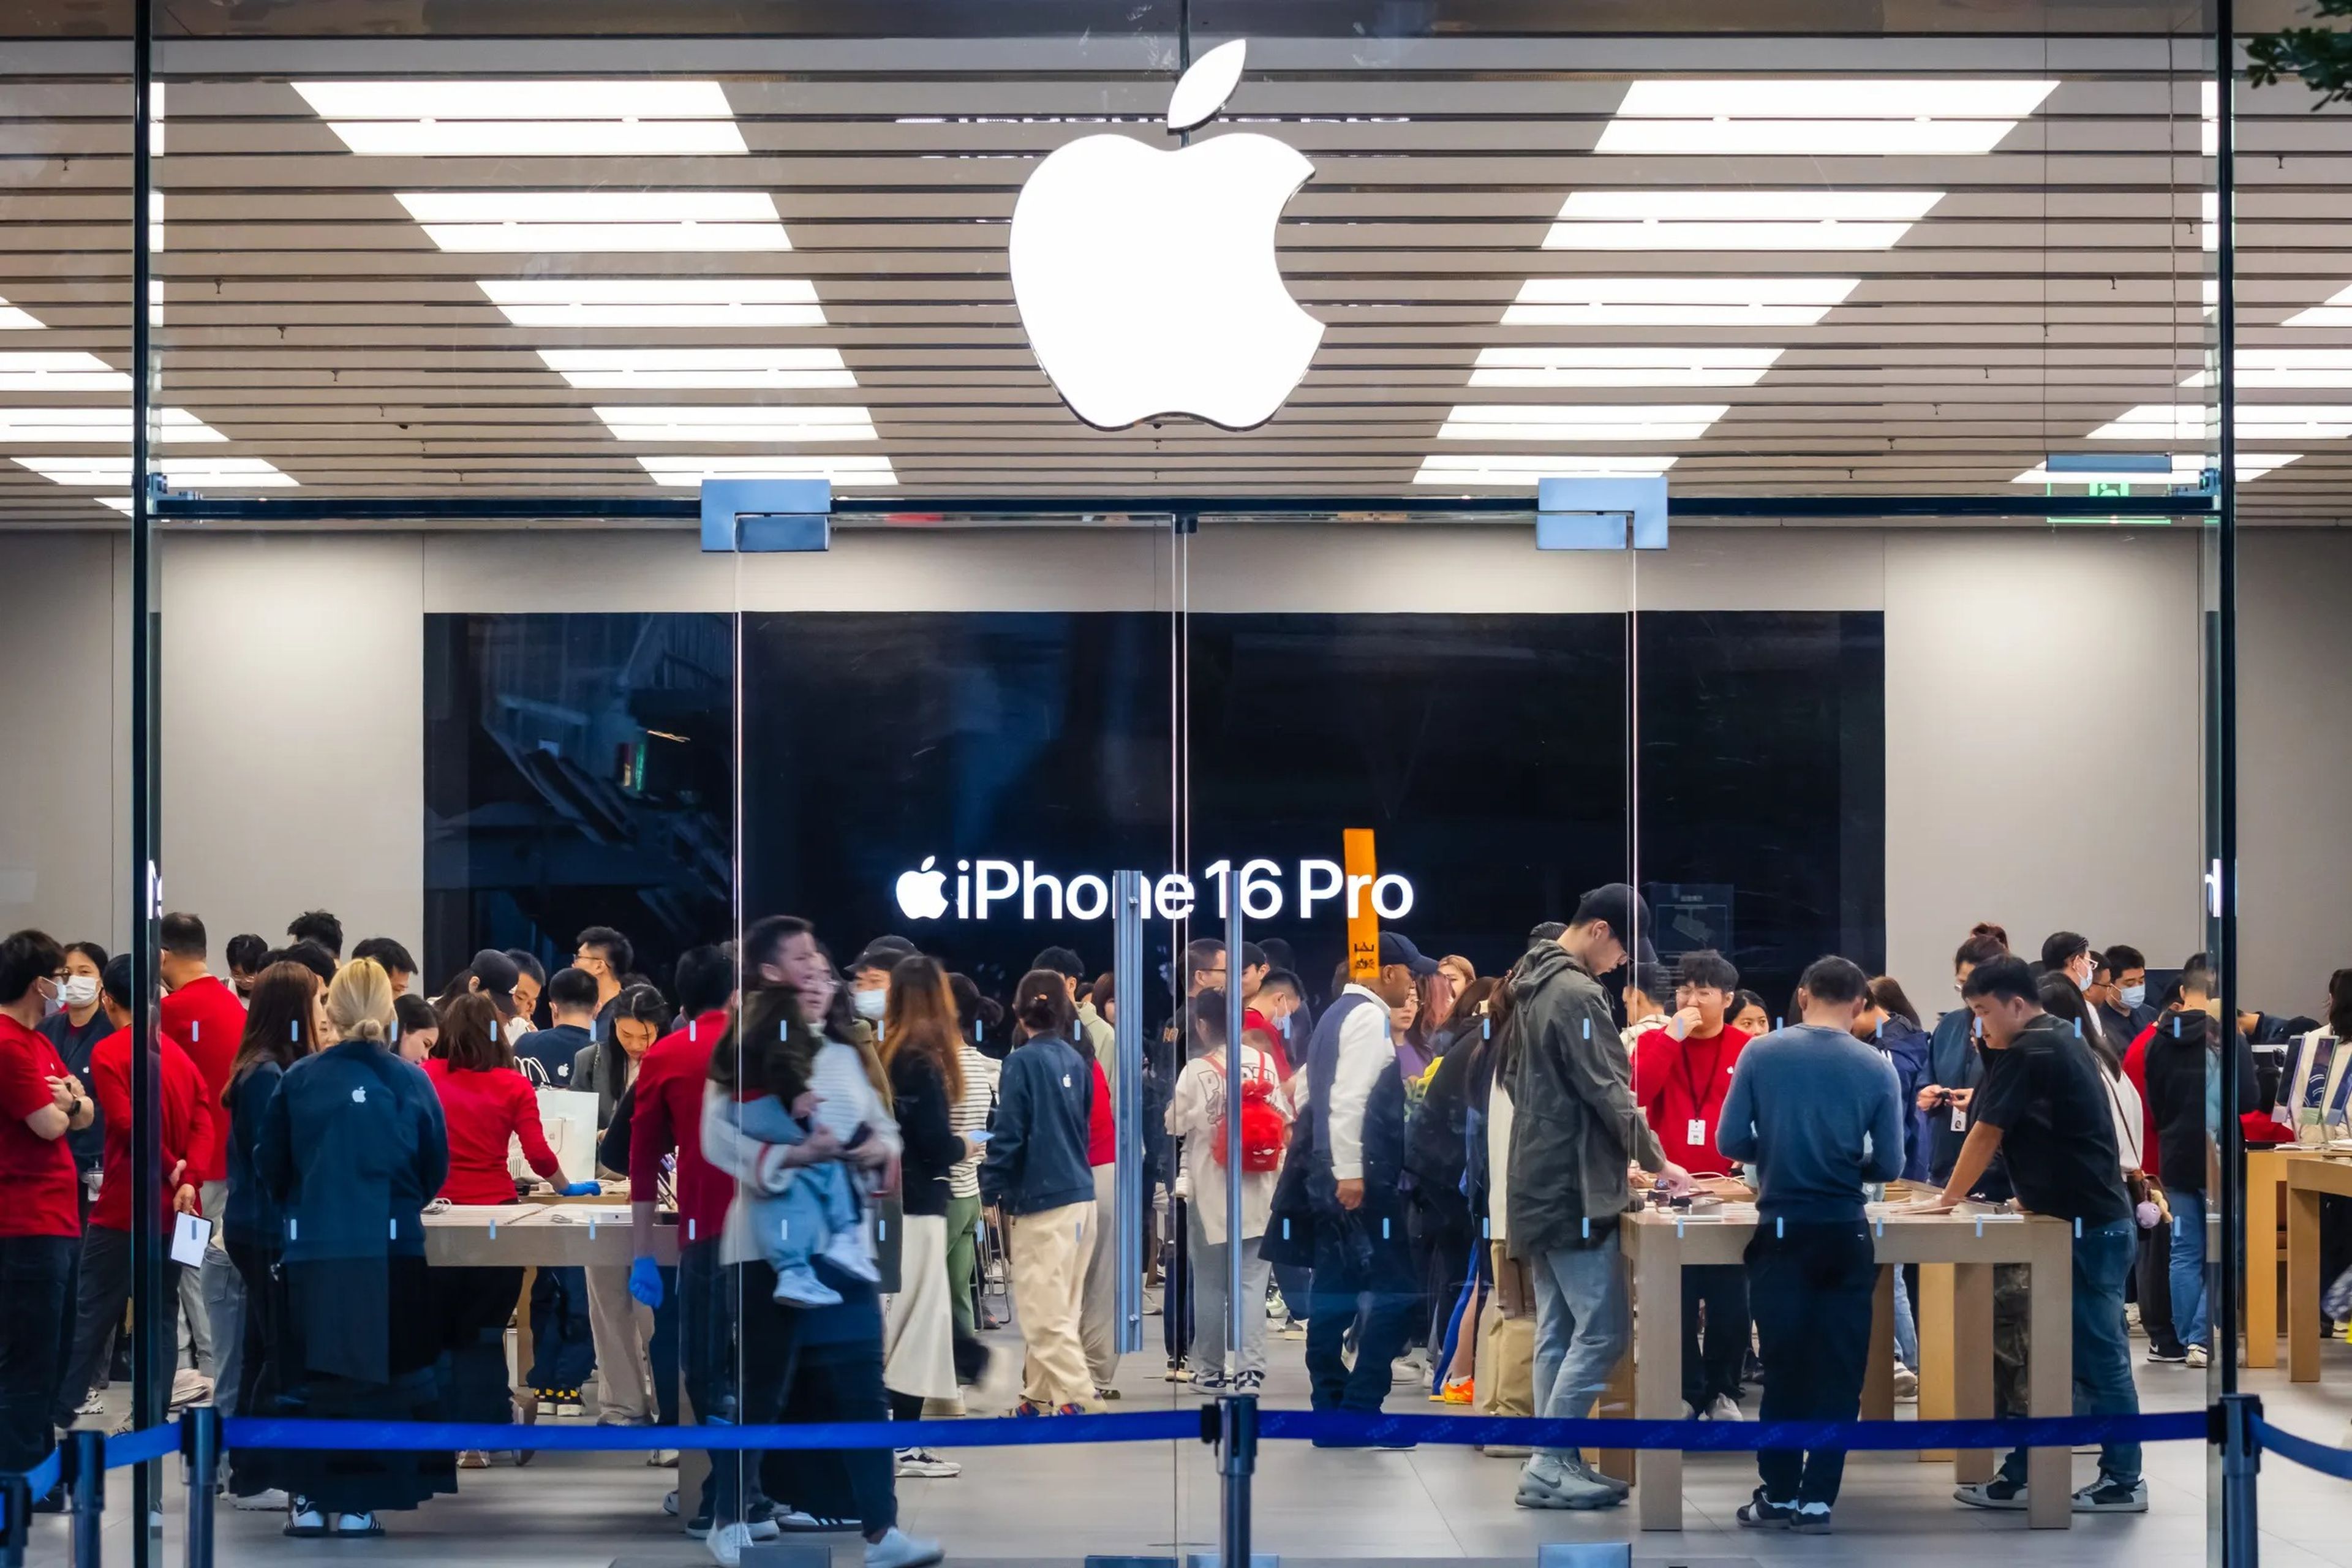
(474, 1305)
(104, 1289)
(35, 1326)
(706, 1347)
(2154, 1277)
(1365, 1280)
(1810, 1286)
(783, 1380)
(1715, 1355)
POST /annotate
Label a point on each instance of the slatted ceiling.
(2056, 283)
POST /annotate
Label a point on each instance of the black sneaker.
(2108, 1495)
(1810, 1519)
(1998, 1492)
(2168, 1355)
(1760, 1512)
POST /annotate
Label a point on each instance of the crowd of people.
(1434, 1167)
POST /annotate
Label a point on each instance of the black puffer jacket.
(1575, 1124)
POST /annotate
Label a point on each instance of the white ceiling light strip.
(210, 473)
(2188, 468)
(1666, 364)
(2336, 313)
(13, 319)
(480, 119)
(854, 469)
(1635, 219)
(2256, 422)
(99, 427)
(1520, 472)
(758, 422)
(2264, 367)
(635, 221)
(1677, 302)
(1812, 117)
(1579, 422)
(670, 369)
(60, 371)
(656, 302)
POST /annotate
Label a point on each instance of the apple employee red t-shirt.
(37, 1174)
(205, 1017)
(1680, 1086)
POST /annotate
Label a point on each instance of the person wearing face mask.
(606, 954)
(2068, 952)
(2118, 994)
(869, 978)
(75, 1030)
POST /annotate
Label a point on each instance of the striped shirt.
(970, 1114)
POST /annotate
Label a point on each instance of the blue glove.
(580, 1190)
(645, 1282)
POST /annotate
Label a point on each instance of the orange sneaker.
(1456, 1391)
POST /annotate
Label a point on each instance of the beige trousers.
(1506, 1378)
(1099, 1303)
(1049, 1267)
(621, 1327)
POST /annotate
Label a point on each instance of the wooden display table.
(1660, 1246)
(2265, 1188)
(2310, 1175)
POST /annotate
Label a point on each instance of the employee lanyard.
(1700, 1103)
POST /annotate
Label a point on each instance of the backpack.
(1264, 1135)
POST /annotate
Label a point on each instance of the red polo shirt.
(485, 1109)
(37, 1174)
(1680, 1083)
(207, 1017)
(668, 1115)
(189, 1113)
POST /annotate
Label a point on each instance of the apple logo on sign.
(921, 893)
(1147, 278)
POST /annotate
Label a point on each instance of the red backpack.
(1264, 1135)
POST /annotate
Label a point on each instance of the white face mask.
(870, 1004)
(77, 990)
(2133, 995)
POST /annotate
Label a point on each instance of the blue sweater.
(1037, 1158)
(1800, 1104)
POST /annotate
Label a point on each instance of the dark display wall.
(1491, 755)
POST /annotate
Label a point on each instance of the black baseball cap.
(1395, 949)
(883, 952)
(496, 974)
(1628, 917)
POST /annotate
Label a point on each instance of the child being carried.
(822, 1213)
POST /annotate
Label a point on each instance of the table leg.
(1617, 1400)
(2050, 1375)
(1878, 1374)
(1970, 1350)
(526, 1349)
(1936, 1343)
(2302, 1284)
(2264, 1167)
(1658, 1369)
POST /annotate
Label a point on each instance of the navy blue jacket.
(351, 1148)
(1905, 1046)
(1037, 1159)
(251, 1215)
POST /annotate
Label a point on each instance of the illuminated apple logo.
(1147, 278)
(921, 893)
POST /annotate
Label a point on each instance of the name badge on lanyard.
(1960, 1119)
(1694, 1132)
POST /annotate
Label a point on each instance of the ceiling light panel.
(1737, 220)
(597, 220)
(445, 118)
(218, 473)
(2188, 468)
(659, 369)
(1677, 302)
(2256, 421)
(656, 302)
(754, 422)
(2336, 313)
(2268, 367)
(60, 371)
(1522, 472)
(98, 426)
(855, 469)
(12, 320)
(1579, 422)
(1799, 115)
(1667, 365)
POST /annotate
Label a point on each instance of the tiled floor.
(1060, 1503)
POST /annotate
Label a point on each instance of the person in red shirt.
(1681, 1073)
(188, 1112)
(201, 1012)
(486, 1103)
(40, 1220)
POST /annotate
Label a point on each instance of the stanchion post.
(2241, 1465)
(16, 1496)
(86, 1475)
(1236, 1463)
(200, 1432)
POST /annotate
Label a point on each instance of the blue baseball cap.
(1395, 949)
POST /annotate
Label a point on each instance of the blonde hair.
(359, 1001)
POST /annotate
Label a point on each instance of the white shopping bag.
(567, 1117)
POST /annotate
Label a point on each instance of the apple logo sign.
(1146, 278)
(921, 893)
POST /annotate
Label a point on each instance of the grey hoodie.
(1575, 1125)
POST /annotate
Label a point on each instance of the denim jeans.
(2103, 1371)
(1907, 1326)
(2191, 1304)
(1583, 1321)
(1363, 1278)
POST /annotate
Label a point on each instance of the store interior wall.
(2040, 765)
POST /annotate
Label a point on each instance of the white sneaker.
(2199, 1357)
(727, 1543)
(662, 1460)
(94, 1405)
(897, 1549)
(1721, 1408)
(1907, 1382)
(270, 1501)
(922, 1462)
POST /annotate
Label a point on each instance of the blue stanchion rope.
(43, 1477)
(2336, 1462)
(147, 1443)
(1159, 1427)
